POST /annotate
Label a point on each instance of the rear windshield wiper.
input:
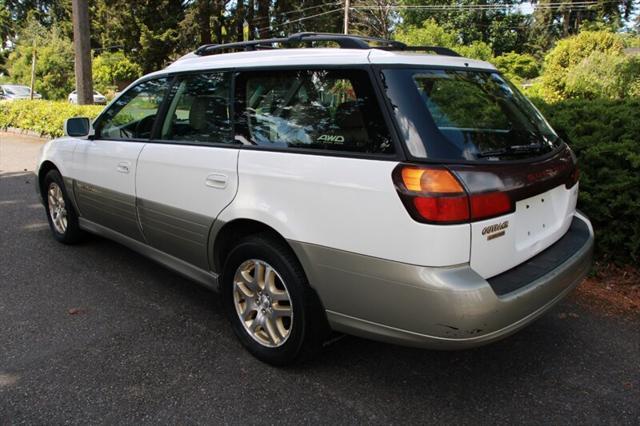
(512, 150)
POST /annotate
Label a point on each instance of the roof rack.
(344, 41)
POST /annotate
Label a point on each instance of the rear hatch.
(517, 179)
(543, 196)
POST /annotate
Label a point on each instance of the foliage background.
(43, 117)
(605, 135)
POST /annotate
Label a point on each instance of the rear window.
(332, 110)
(466, 115)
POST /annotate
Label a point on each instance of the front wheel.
(62, 218)
(271, 307)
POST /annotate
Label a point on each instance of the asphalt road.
(96, 333)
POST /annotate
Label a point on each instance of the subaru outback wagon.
(365, 188)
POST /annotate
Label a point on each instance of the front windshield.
(466, 115)
(17, 90)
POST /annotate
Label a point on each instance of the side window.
(133, 114)
(199, 110)
(315, 109)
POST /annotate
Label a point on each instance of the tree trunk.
(204, 21)
(240, 17)
(263, 18)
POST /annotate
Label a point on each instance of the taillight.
(436, 195)
(489, 204)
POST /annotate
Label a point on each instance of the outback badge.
(496, 230)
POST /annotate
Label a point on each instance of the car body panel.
(345, 203)
(179, 197)
(98, 98)
(7, 92)
(104, 172)
(536, 223)
(439, 308)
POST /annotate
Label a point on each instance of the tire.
(297, 337)
(62, 217)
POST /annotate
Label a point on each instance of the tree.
(552, 23)
(146, 30)
(6, 24)
(54, 65)
(111, 71)
(603, 75)
(376, 20)
(493, 22)
(432, 34)
(517, 66)
(569, 53)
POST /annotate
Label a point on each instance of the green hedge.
(605, 135)
(43, 117)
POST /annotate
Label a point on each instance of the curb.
(23, 132)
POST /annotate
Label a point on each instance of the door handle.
(123, 167)
(217, 180)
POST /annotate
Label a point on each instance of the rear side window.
(199, 111)
(315, 109)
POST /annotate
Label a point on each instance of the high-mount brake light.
(436, 195)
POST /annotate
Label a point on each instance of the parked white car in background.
(418, 199)
(98, 98)
(12, 92)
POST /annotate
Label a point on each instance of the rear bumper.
(443, 308)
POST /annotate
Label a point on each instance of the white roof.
(319, 56)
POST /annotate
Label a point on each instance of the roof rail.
(438, 50)
(344, 41)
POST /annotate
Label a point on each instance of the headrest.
(208, 111)
(198, 113)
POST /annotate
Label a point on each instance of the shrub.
(604, 136)
(517, 66)
(476, 50)
(111, 70)
(569, 53)
(432, 34)
(602, 75)
(54, 63)
(43, 117)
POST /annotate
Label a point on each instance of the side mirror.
(78, 127)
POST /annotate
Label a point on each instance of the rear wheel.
(272, 309)
(62, 218)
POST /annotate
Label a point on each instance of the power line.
(578, 5)
(302, 19)
(280, 14)
(437, 7)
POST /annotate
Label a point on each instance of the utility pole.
(33, 70)
(82, 47)
(346, 16)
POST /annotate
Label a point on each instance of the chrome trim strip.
(201, 276)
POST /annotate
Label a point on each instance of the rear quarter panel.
(342, 203)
